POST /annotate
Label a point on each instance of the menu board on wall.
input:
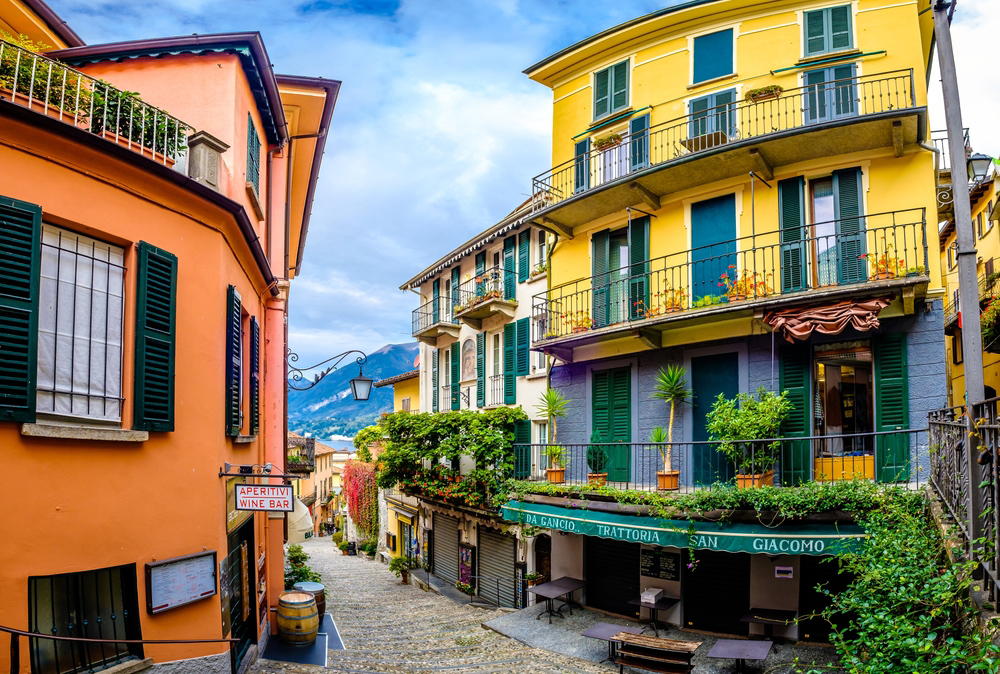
(179, 581)
(660, 564)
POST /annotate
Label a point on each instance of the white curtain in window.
(81, 309)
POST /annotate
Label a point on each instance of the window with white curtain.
(80, 317)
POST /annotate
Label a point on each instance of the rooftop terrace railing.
(724, 124)
(52, 88)
(883, 246)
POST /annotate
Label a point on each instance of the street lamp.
(978, 166)
(361, 386)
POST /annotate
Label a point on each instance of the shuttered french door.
(892, 410)
(612, 419)
(710, 376)
(612, 573)
(445, 547)
(794, 369)
(497, 554)
(713, 244)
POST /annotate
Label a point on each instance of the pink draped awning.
(829, 319)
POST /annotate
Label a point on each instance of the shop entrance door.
(717, 592)
(815, 571)
(710, 376)
(843, 406)
(612, 574)
(241, 585)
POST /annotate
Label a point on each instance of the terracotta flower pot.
(555, 475)
(755, 480)
(667, 480)
(597, 479)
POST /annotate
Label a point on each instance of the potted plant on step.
(533, 578)
(552, 406)
(671, 387)
(597, 460)
(343, 545)
(401, 567)
(740, 424)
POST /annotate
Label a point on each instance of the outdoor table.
(661, 604)
(769, 617)
(555, 589)
(607, 632)
(740, 650)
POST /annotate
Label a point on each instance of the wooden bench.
(654, 654)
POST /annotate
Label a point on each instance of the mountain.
(328, 409)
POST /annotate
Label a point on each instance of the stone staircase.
(390, 627)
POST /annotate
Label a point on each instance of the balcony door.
(710, 376)
(611, 418)
(621, 276)
(830, 93)
(713, 244)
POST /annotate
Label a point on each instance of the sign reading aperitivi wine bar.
(271, 497)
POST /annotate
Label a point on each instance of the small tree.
(742, 421)
(552, 405)
(671, 387)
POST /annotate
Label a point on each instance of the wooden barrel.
(298, 621)
(317, 590)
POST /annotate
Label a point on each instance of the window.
(710, 115)
(611, 89)
(497, 356)
(956, 348)
(830, 93)
(80, 324)
(541, 362)
(253, 155)
(827, 30)
(446, 367)
(951, 257)
(979, 226)
(542, 248)
(988, 267)
(713, 56)
(404, 404)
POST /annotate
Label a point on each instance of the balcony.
(898, 457)
(988, 286)
(302, 461)
(944, 196)
(742, 276)
(53, 89)
(731, 140)
(489, 294)
(494, 391)
(434, 319)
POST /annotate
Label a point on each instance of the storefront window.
(843, 398)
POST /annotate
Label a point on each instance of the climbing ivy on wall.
(362, 496)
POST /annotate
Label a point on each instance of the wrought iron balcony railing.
(494, 394)
(940, 141)
(429, 314)
(898, 457)
(495, 283)
(54, 89)
(731, 274)
(678, 139)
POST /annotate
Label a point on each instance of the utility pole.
(968, 283)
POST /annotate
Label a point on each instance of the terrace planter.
(755, 480)
(555, 475)
(668, 480)
(597, 479)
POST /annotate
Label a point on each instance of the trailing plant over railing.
(362, 496)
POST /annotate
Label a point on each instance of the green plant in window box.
(919, 270)
(605, 142)
(708, 301)
(763, 93)
(740, 422)
(532, 577)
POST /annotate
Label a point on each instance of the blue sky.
(437, 133)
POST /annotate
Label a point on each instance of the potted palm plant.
(597, 460)
(552, 406)
(740, 424)
(671, 387)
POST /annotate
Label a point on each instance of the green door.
(892, 410)
(612, 419)
(710, 376)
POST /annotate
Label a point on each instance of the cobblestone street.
(390, 627)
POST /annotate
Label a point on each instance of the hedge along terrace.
(416, 445)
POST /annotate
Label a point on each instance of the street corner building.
(154, 203)
(742, 189)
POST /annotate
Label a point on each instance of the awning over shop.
(830, 319)
(789, 539)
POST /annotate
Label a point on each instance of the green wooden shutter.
(480, 270)
(435, 303)
(234, 359)
(638, 281)
(638, 131)
(20, 262)
(600, 401)
(815, 32)
(581, 166)
(455, 272)
(611, 419)
(791, 217)
(523, 342)
(434, 380)
(892, 409)
(253, 155)
(794, 369)
(815, 104)
(722, 118)
(523, 255)
(600, 256)
(522, 449)
(509, 364)
(602, 90)
(509, 268)
(842, 91)
(619, 86)
(713, 56)
(850, 231)
(839, 35)
(698, 110)
(155, 339)
(481, 369)
(455, 386)
(254, 375)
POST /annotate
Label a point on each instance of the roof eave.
(55, 23)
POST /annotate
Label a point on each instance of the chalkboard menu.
(660, 564)
(179, 581)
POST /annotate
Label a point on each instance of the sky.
(437, 132)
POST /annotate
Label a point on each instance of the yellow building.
(405, 391)
(743, 189)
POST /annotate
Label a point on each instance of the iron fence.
(54, 89)
(883, 246)
(495, 283)
(721, 125)
(429, 314)
(896, 457)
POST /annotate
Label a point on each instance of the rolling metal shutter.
(445, 547)
(497, 553)
(717, 592)
(612, 575)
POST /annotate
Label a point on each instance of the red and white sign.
(271, 497)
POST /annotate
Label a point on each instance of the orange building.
(146, 244)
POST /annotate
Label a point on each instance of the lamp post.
(968, 284)
(361, 386)
(979, 167)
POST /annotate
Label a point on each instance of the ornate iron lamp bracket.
(298, 378)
